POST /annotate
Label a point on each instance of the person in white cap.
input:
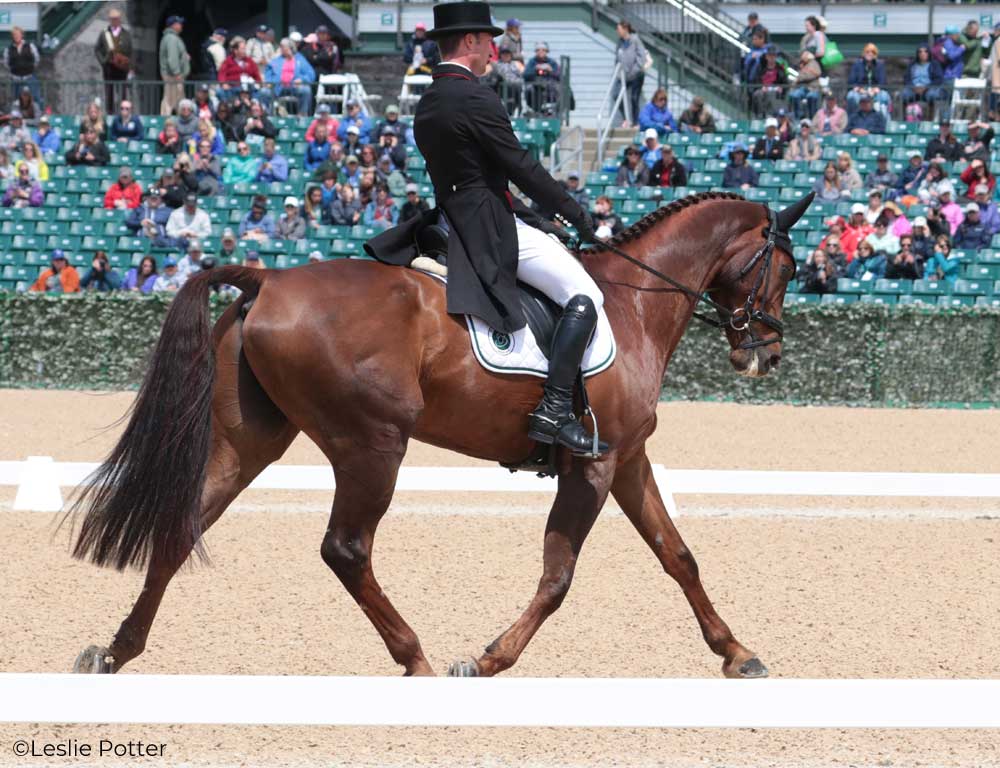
(923, 243)
(856, 230)
(650, 147)
(315, 256)
(972, 233)
(769, 146)
(291, 225)
(987, 210)
(804, 146)
(951, 210)
(414, 205)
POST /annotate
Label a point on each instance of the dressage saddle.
(540, 311)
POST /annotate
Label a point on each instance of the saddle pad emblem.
(502, 342)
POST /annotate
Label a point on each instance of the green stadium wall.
(857, 354)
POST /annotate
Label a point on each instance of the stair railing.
(615, 98)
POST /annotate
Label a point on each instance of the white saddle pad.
(518, 352)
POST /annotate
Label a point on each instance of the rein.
(740, 318)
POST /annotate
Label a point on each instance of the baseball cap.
(44, 119)
(392, 109)
(353, 103)
(857, 208)
(15, 114)
(389, 130)
(259, 202)
(351, 159)
(945, 188)
(882, 156)
(190, 197)
(170, 261)
(411, 187)
(875, 193)
(193, 245)
(152, 191)
(916, 153)
(315, 256)
(951, 29)
(291, 200)
(666, 148)
(805, 122)
(58, 253)
(171, 20)
(262, 27)
(971, 207)
(228, 234)
(323, 109)
(542, 45)
(311, 38)
(513, 23)
(573, 175)
(322, 28)
(650, 133)
(982, 189)
(771, 122)
(865, 97)
(295, 37)
(420, 25)
(354, 129)
(739, 146)
(221, 31)
(252, 256)
(828, 94)
(920, 221)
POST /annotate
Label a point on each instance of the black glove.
(585, 230)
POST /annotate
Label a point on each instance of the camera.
(207, 262)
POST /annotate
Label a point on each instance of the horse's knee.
(553, 590)
(680, 563)
(345, 555)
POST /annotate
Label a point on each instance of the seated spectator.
(189, 222)
(313, 211)
(317, 150)
(381, 212)
(351, 172)
(332, 165)
(804, 96)
(904, 265)
(186, 120)
(737, 172)
(912, 175)
(881, 239)
(141, 279)
(226, 122)
(973, 233)
(172, 188)
(697, 119)
(804, 146)
(865, 120)
(367, 158)
(650, 147)
(668, 171)
(656, 115)
(14, 134)
(898, 224)
(256, 124)
(769, 146)
(390, 146)
(867, 78)
(273, 166)
(258, 224)
(94, 117)
(874, 209)
(169, 141)
(323, 117)
(150, 219)
(767, 83)
(577, 192)
(207, 132)
(207, 168)
(923, 79)
(606, 221)
(820, 274)
(60, 277)
(632, 172)
(315, 257)
(868, 264)
(506, 77)
(124, 193)
(394, 179)
(241, 167)
(786, 125)
(835, 227)
(48, 141)
(937, 224)
(126, 126)
(923, 242)
(835, 254)
(89, 151)
(24, 191)
(241, 104)
(831, 119)
(238, 68)
(26, 105)
(936, 175)
(33, 159)
(855, 230)
(329, 188)
(290, 226)
(977, 146)
(849, 175)
(169, 280)
(357, 119)
(950, 209)
(346, 209)
(942, 264)
(204, 105)
(974, 174)
(988, 212)
(353, 144)
(829, 188)
(254, 261)
(542, 76)
(290, 74)
(228, 248)
(101, 276)
(414, 205)
(420, 54)
(944, 146)
(883, 178)
(191, 263)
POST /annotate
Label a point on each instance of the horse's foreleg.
(635, 490)
(581, 496)
(365, 484)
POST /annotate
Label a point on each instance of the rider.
(465, 135)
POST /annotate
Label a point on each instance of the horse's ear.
(788, 216)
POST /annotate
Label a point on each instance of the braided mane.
(654, 217)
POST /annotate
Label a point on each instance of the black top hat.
(450, 18)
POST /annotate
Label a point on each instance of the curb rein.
(740, 318)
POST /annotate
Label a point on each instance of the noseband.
(741, 318)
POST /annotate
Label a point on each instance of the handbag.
(117, 59)
(832, 57)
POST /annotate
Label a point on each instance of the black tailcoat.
(465, 135)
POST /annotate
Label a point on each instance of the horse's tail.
(144, 500)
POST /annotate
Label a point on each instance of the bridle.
(741, 318)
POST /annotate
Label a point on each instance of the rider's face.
(479, 52)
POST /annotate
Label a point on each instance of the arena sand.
(866, 596)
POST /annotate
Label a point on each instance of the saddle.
(540, 312)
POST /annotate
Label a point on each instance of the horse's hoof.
(750, 669)
(94, 660)
(465, 668)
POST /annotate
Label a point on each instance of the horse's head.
(751, 285)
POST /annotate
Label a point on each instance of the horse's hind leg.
(581, 496)
(366, 479)
(635, 490)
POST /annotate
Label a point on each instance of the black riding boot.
(553, 420)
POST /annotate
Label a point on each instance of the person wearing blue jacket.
(290, 74)
(953, 51)
(922, 79)
(355, 116)
(738, 173)
(126, 126)
(317, 150)
(657, 115)
(273, 167)
(48, 140)
(867, 76)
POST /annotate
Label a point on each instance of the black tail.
(145, 499)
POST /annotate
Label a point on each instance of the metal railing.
(615, 100)
(566, 152)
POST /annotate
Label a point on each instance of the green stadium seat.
(956, 301)
(988, 301)
(852, 285)
(893, 287)
(982, 271)
(964, 287)
(878, 298)
(801, 298)
(928, 287)
(839, 298)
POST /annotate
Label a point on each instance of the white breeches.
(544, 263)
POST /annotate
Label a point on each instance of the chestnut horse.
(361, 357)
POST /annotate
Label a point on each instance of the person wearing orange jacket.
(60, 277)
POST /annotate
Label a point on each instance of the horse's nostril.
(775, 359)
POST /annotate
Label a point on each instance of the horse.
(363, 356)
